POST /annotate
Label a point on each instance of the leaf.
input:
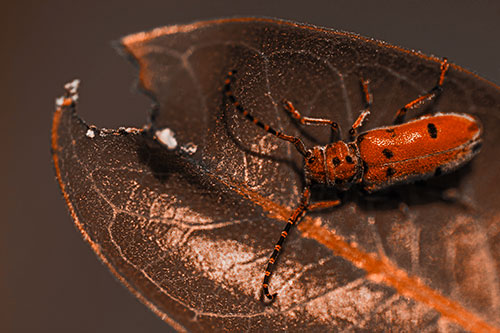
(189, 230)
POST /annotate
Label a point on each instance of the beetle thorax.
(336, 164)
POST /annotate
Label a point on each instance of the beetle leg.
(288, 106)
(367, 96)
(432, 94)
(323, 205)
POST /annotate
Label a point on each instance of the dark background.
(50, 280)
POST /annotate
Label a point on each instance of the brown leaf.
(189, 230)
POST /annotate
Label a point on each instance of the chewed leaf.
(186, 213)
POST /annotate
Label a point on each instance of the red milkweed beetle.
(378, 158)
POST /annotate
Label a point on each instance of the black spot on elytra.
(391, 132)
(335, 161)
(390, 172)
(387, 153)
(438, 171)
(349, 160)
(311, 160)
(472, 128)
(431, 128)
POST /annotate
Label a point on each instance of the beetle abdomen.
(418, 149)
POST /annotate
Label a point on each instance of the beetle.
(379, 158)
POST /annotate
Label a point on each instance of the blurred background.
(50, 280)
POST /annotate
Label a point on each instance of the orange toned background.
(50, 280)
